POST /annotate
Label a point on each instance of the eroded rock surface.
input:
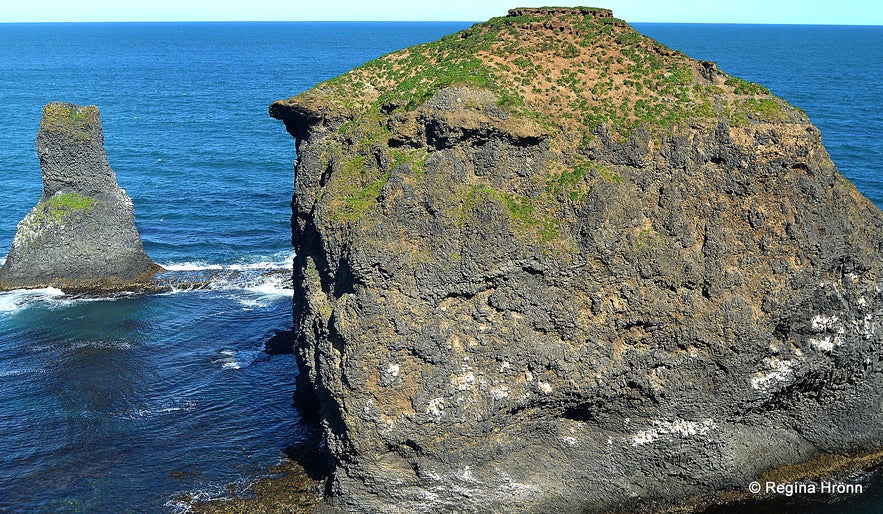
(81, 235)
(549, 265)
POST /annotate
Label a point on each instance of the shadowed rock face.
(81, 235)
(547, 264)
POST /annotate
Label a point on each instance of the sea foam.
(259, 276)
(13, 301)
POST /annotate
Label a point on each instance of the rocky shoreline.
(294, 489)
(288, 489)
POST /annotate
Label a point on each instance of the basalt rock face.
(81, 235)
(549, 265)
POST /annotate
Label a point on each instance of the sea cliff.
(548, 264)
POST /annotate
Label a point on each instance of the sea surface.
(133, 404)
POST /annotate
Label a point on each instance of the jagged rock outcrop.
(81, 235)
(549, 265)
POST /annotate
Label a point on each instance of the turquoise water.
(125, 405)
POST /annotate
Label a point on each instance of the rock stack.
(81, 235)
(549, 265)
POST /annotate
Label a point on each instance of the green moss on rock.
(577, 74)
(70, 202)
(74, 120)
(61, 207)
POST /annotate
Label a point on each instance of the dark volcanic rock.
(81, 235)
(547, 264)
(280, 343)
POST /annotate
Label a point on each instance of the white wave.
(228, 361)
(12, 301)
(210, 492)
(256, 303)
(278, 261)
(261, 276)
(192, 266)
(252, 302)
(174, 288)
(184, 505)
(99, 345)
(272, 285)
(233, 359)
(265, 265)
(14, 372)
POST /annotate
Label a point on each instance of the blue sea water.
(127, 404)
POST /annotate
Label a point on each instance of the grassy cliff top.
(576, 79)
(567, 68)
(76, 121)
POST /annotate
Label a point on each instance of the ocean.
(133, 404)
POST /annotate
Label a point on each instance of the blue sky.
(851, 12)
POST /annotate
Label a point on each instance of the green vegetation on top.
(568, 72)
(604, 72)
(582, 72)
(68, 118)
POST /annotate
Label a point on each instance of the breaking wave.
(16, 300)
(262, 280)
(262, 277)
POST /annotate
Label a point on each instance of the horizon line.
(770, 23)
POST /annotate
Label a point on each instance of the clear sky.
(850, 12)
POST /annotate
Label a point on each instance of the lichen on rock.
(81, 235)
(548, 264)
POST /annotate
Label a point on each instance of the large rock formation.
(547, 264)
(81, 235)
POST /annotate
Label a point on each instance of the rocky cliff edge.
(548, 264)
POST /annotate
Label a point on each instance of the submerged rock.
(81, 235)
(547, 264)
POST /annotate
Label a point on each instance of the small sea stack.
(81, 235)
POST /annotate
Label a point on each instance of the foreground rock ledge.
(81, 235)
(549, 265)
